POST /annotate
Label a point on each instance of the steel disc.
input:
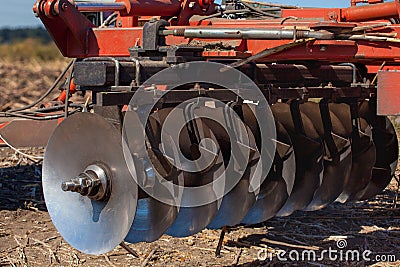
(387, 151)
(239, 200)
(276, 188)
(308, 151)
(93, 227)
(153, 217)
(237, 203)
(191, 220)
(337, 163)
(384, 170)
(283, 139)
(363, 153)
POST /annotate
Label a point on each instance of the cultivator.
(205, 116)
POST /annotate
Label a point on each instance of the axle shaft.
(93, 183)
(260, 34)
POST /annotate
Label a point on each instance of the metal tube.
(260, 34)
(100, 7)
(371, 12)
(354, 68)
(167, 8)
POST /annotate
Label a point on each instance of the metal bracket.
(151, 38)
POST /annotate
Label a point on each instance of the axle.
(240, 33)
(93, 183)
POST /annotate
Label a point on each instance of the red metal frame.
(388, 92)
(116, 42)
(351, 14)
(78, 38)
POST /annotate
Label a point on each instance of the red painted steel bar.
(99, 7)
(371, 12)
(167, 8)
(355, 13)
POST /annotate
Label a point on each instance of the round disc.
(191, 220)
(309, 151)
(276, 188)
(387, 151)
(238, 201)
(336, 173)
(235, 205)
(92, 227)
(283, 145)
(363, 153)
(153, 217)
(361, 170)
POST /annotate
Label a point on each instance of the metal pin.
(127, 248)
(220, 242)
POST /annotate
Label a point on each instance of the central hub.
(93, 182)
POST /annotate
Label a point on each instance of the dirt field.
(28, 238)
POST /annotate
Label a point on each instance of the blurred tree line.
(8, 35)
(24, 44)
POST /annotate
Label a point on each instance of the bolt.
(93, 183)
(80, 184)
(333, 16)
(68, 186)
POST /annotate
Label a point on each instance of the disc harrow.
(308, 172)
(210, 116)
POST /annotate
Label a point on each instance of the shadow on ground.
(21, 188)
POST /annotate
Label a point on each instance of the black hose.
(47, 93)
(46, 111)
(36, 114)
(67, 90)
(37, 118)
